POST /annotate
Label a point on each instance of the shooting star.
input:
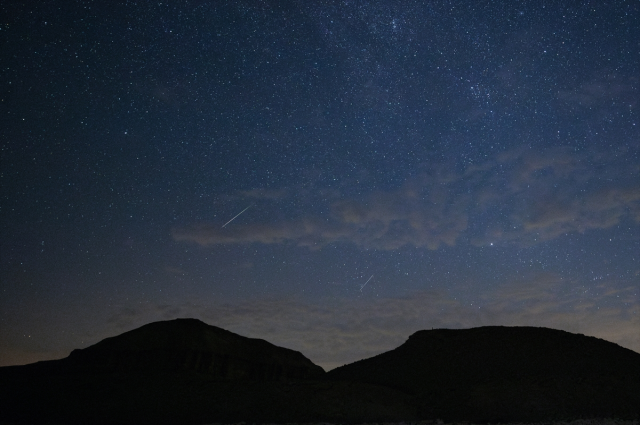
(365, 284)
(236, 216)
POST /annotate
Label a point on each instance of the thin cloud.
(430, 217)
(550, 194)
(534, 197)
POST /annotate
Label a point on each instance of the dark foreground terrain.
(185, 371)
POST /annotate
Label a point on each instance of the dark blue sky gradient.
(479, 159)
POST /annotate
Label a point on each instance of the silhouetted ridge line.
(182, 345)
(499, 373)
(185, 371)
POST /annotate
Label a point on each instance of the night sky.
(395, 165)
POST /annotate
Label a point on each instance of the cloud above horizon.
(520, 197)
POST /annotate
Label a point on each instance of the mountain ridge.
(494, 373)
(186, 371)
(190, 344)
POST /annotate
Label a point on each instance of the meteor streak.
(236, 216)
(365, 284)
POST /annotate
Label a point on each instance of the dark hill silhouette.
(507, 374)
(185, 371)
(191, 345)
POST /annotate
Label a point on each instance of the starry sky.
(328, 176)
